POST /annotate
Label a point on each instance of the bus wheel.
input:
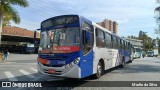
(99, 70)
(130, 61)
(123, 63)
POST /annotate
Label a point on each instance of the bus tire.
(100, 70)
(130, 61)
(123, 63)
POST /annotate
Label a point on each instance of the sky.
(131, 15)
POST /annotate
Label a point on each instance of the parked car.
(152, 53)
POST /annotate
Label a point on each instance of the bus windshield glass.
(138, 49)
(62, 37)
(150, 53)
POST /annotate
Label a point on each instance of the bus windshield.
(60, 37)
(138, 49)
(149, 52)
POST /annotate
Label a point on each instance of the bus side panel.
(121, 54)
(127, 56)
(86, 64)
(116, 58)
(105, 54)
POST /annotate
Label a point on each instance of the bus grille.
(56, 73)
(48, 57)
(52, 65)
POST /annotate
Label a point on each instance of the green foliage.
(10, 13)
(157, 17)
(148, 42)
(158, 1)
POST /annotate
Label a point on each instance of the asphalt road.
(21, 67)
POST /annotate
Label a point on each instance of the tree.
(158, 40)
(158, 1)
(6, 20)
(7, 12)
(140, 35)
(157, 17)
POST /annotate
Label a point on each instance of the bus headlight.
(71, 64)
(67, 66)
(76, 61)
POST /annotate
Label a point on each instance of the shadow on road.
(140, 68)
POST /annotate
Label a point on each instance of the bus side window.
(122, 44)
(127, 46)
(130, 46)
(119, 43)
(114, 42)
(100, 38)
(87, 46)
(108, 40)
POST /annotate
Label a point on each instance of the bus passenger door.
(86, 62)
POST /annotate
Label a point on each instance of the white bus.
(138, 52)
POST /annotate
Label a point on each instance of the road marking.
(5, 62)
(10, 76)
(27, 74)
(34, 69)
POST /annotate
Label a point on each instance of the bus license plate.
(51, 71)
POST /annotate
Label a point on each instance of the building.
(138, 47)
(135, 42)
(115, 27)
(110, 25)
(14, 38)
(106, 24)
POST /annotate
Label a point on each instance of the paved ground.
(19, 67)
(23, 68)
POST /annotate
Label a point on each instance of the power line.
(49, 8)
(67, 11)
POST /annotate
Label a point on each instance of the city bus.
(30, 48)
(72, 46)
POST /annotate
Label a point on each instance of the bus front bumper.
(72, 72)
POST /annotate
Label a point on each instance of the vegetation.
(149, 43)
(8, 12)
(157, 17)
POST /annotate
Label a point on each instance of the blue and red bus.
(74, 47)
